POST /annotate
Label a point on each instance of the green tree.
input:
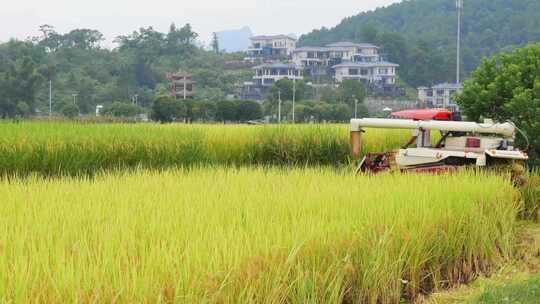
(322, 111)
(226, 110)
(303, 112)
(203, 110)
(215, 43)
(19, 82)
(122, 109)
(23, 109)
(340, 112)
(167, 109)
(70, 110)
(369, 33)
(351, 90)
(507, 87)
(247, 110)
(285, 88)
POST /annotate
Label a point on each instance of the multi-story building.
(182, 85)
(347, 60)
(356, 52)
(379, 73)
(268, 74)
(271, 47)
(440, 96)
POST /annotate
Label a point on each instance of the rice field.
(244, 235)
(53, 149)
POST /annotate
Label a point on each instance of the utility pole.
(279, 107)
(355, 107)
(185, 87)
(459, 5)
(135, 99)
(50, 98)
(294, 96)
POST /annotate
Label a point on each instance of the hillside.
(421, 34)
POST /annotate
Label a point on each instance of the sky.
(21, 18)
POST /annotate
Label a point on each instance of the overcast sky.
(21, 18)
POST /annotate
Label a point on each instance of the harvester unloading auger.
(461, 143)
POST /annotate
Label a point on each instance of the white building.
(357, 52)
(440, 96)
(379, 73)
(268, 74)
(269, 47)
(336, 53)
(347, 60)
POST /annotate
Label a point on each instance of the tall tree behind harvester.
(215, 43)
(507, 87)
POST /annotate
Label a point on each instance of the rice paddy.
(53, 149)
(148, 213)
(249, 235)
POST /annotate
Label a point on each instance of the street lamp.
(74, 98)
(293, 95)
(279, 106)
(355, 106)
(50, 97)
(459, 5)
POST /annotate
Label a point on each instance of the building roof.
(312, 49)
(351, 44)
(272, 37)
(365, 64)
(276, 66)
(423, 88)
(442, 86)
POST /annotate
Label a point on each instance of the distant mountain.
(421, 34)
(235, 40)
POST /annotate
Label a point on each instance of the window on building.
(353, 71)
(440, 101)
(429, 93)
(440, 92)
(364, 72)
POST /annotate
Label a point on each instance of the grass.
(217, 235)
(53, 149)
(523, 292)
(514, 282)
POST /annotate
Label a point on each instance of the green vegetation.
(250, 235)
(420, 35)
(69, 148)
(526, 292)
(76, 63)
(328, 104)
(122, 109)
(507, 87)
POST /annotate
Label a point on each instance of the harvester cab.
(460, 144)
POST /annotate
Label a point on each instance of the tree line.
(83, 74)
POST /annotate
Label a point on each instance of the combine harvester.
(461, 143)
